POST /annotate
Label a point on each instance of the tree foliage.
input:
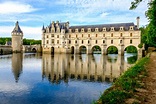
(3, 40)
(149, 35)
(25, 41)
(31, 41)
(112, 50)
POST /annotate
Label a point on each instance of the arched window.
(131, 41)
(75, 41)
(88, 41)
(103, 41)
(111, 41)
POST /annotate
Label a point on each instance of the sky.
(33, 14)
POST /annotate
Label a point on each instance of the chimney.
(138, 20)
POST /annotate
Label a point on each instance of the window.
(111, 41)
(88, 41)
(57, 41)
(76, 35)
(69, 41)
(112, 35)
(121, 28)
(69, 36)
(130, 34)
(88, 35)
(82, 41)
(103, 35)
(52, 35)
(82, 35)
(120, 41)
(96, 35)
(96, 41)
(52, 41)
(120, 34)
(47, 36)
(104, 29)
(103, 41)
(57, 36)
(130, 41)
(47, 41)
(75, 41)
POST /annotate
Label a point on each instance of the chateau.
(62, 38)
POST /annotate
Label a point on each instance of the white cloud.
(15, 7)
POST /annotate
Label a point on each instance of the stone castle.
(62, 38)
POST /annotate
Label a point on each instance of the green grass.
(125, 86)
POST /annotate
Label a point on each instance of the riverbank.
(128, 88)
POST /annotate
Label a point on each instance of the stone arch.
(112, 49)
(96, 49)
(82, 49)
(34, 50)
(72, 50)
(131, 49)
(52, 50)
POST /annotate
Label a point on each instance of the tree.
(150, 14)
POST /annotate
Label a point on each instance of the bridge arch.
(96, 49)
(131, 49)
(34, 50)
(112, 49)
(82, 49)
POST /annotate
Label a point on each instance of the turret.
(43, 29)
(17, 38)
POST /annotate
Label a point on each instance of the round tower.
(17, 38)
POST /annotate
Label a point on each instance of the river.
(60, 78)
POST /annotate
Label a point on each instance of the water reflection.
(17, 65)
(95, 67)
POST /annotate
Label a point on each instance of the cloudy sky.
(32, 14)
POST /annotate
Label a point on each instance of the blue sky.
(32, 14)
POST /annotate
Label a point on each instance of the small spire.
(43, 27)
(17, 28)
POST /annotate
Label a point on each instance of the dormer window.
(82, 30)
(121, 28)
(96, 29)
(89, 29)
(112, 28)
(76, 30)
(131, 27)
(104, 29)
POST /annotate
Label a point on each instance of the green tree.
(151, 16)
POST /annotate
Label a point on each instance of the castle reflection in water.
(96, 67)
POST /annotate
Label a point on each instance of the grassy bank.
(126, 85)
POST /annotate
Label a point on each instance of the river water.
(59, 78)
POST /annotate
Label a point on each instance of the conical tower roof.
(17, 28)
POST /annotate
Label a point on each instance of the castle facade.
(62, 38)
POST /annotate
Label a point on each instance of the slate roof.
(17, 29)
(116, 26)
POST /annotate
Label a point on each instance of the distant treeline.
(25, 41)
